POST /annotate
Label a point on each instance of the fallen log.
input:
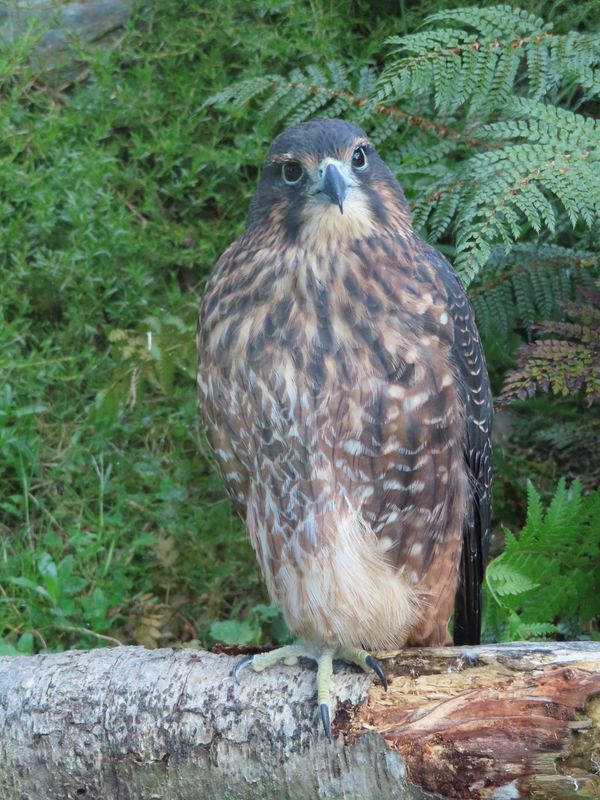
(498, 722)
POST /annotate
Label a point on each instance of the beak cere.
(334, 186)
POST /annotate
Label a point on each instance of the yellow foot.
(324, 657)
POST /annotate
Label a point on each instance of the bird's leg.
(290, 655)
(324, 657)
(363, 659)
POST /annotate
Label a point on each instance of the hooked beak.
(333, 185)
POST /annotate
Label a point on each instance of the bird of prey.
(344, 393)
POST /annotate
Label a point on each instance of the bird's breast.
(367, 308)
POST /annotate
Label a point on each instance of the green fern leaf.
(504, 580)
(549, 572)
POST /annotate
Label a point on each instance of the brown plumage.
(345, 396)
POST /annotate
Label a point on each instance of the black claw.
(376, 667)
(326, 721)
(243, 662)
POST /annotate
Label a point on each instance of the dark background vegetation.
(119, 189)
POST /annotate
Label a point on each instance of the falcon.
(345, 396)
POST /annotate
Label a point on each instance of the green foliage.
(113, 195)
(566, 363)
(546, 158)
(473, 57)
(525, 284)
(152, 357)
(549, 438)
(534, 165)
(264, 624)
(332, 90)
(547, 580)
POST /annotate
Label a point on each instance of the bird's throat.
(324, 227)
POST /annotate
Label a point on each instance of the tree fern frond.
(536, 122)
(565, 365)
(386, 130)
(528, 283)
(277, 94)
(482, 59)
(589, 79)
(339, 75)
(241, 93)
(549, 158)
(317, 77)
(443, 212)
(366, 82)
(299, 95)
(494, 22)
(520, 630)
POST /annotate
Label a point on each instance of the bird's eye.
(292, 172)
(359, 158)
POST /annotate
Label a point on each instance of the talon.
(241, 664)
(376, 667)
(326, 720)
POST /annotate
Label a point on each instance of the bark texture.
(494, 722)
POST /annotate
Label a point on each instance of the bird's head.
(322, 182)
